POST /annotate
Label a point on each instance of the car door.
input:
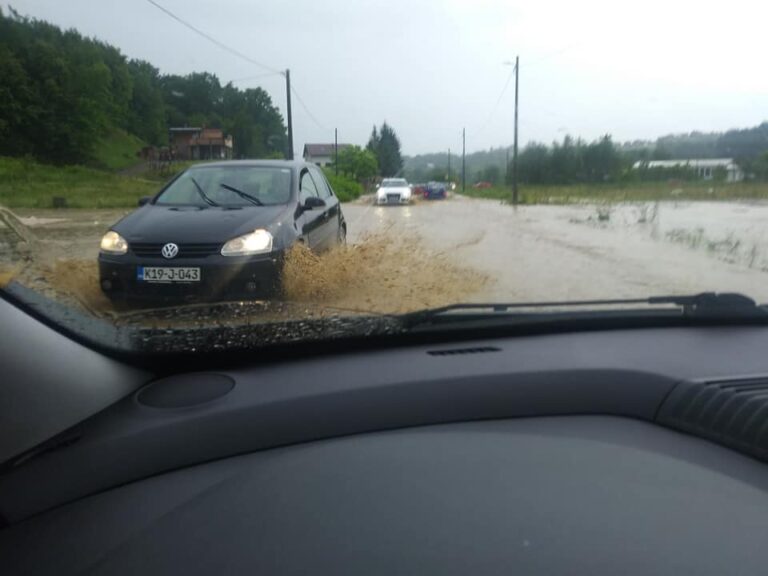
(311, 221)
(330, 223)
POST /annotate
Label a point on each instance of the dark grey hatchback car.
(220, 230)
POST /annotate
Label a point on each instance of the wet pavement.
(428, 254)
(573, 252)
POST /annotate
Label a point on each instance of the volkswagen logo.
(170, 250)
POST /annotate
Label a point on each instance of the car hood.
(152, 223)
(395, 190)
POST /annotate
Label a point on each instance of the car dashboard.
(622, 451)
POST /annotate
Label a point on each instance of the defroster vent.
(731, 412)
(456, 351)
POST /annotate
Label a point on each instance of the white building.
(321, 154)
(705, 169)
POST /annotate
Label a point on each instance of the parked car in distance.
(219, 231)
(393, 191)
(418, 189)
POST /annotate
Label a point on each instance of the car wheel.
(342, 236)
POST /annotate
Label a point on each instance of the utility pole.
(514, 153)
(506, 169)
(336, 150)
(290, 119)
(463, 160)
(449, 164)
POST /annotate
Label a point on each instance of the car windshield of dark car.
(208, 186)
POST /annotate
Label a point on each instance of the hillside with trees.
(62, 94)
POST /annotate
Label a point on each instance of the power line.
(256, 77)
(213, 40)
(496, 106)
(306, 109)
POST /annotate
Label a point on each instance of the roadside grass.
(25, 183)
(117, 150)
(635, 192)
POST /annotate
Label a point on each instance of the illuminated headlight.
(257, 242)
(113, 243)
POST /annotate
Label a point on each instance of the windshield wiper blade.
(251, 199)
(705, 304)
(713, 303)
(202, 193)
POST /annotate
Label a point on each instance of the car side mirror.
(313, 202)
(144, 200)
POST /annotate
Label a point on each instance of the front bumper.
(393, 199)
(221, 277)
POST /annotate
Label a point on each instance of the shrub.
(346, 189)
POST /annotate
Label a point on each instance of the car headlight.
(257, 242)
(113, 243)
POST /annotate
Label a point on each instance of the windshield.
(205, 185)
(394, 183)
(177, 177)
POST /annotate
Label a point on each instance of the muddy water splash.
(377, 275)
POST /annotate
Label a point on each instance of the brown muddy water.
(430, 254)
(55, 254)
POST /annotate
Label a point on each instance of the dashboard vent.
(457, 351)
(732, 412)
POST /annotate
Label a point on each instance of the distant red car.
(482, 185)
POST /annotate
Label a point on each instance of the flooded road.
(430, 254)
(570, 252)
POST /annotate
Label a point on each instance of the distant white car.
(393, 191)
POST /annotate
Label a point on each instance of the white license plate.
(165, 274)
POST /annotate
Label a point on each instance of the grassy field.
(117, 150)
(25, 183)
(28, 184)
(637, 192)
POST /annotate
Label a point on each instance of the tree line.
(61, 92)
(574, 161)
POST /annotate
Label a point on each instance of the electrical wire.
(306, 109)
(256, 77)
(498, 101)
(214, 41)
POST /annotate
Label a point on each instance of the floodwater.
(430, 254)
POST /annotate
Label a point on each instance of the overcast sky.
(428, 67)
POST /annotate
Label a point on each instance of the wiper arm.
(713, 304)
(251, 199)
(202, 193)
(704, 305)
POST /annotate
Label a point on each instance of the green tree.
(491, 174)
(385, 145)
(357, 163)
(61, 93)
(533, 165)
(146, 115)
